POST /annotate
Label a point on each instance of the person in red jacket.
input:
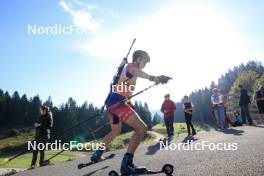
(168, 108)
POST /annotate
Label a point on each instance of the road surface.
(248, 159)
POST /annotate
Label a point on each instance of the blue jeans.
(219, 113)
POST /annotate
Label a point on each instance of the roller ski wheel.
(167, 169)
(113, 173)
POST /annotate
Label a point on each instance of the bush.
(14, 132)
(25, 130)
(259, 82)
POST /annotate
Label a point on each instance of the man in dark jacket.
(168, 108)
(43, 127)
(244, 101)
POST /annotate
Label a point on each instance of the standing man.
(259, 97)
(244, 101)
(43, 127)
(168, 108)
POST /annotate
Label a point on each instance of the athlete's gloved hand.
(164, 79)
(160, 79)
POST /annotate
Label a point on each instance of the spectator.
(188, 106)
(244, 102)
(168, 108)
(43, 127)
(217, 101)
(236, 120)
(259, 97)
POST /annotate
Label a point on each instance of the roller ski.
(166, 169)
(128, 168)
(95, 159)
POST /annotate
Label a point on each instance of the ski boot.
(97, 155)
(128, 168)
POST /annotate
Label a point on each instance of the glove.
(164, 79)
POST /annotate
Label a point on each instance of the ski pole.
(101, 127)
(144, 90)
(55, 155)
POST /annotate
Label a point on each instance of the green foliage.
(143, 112)
(259, 82)
(13, 140)
(156, 119)
(14, 132)
(201, 100)
(247, 79)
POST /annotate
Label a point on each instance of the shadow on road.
(232, 131)
(93, 172)
(152, 149)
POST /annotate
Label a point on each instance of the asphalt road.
(248, 159)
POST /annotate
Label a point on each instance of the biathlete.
(121, 111)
